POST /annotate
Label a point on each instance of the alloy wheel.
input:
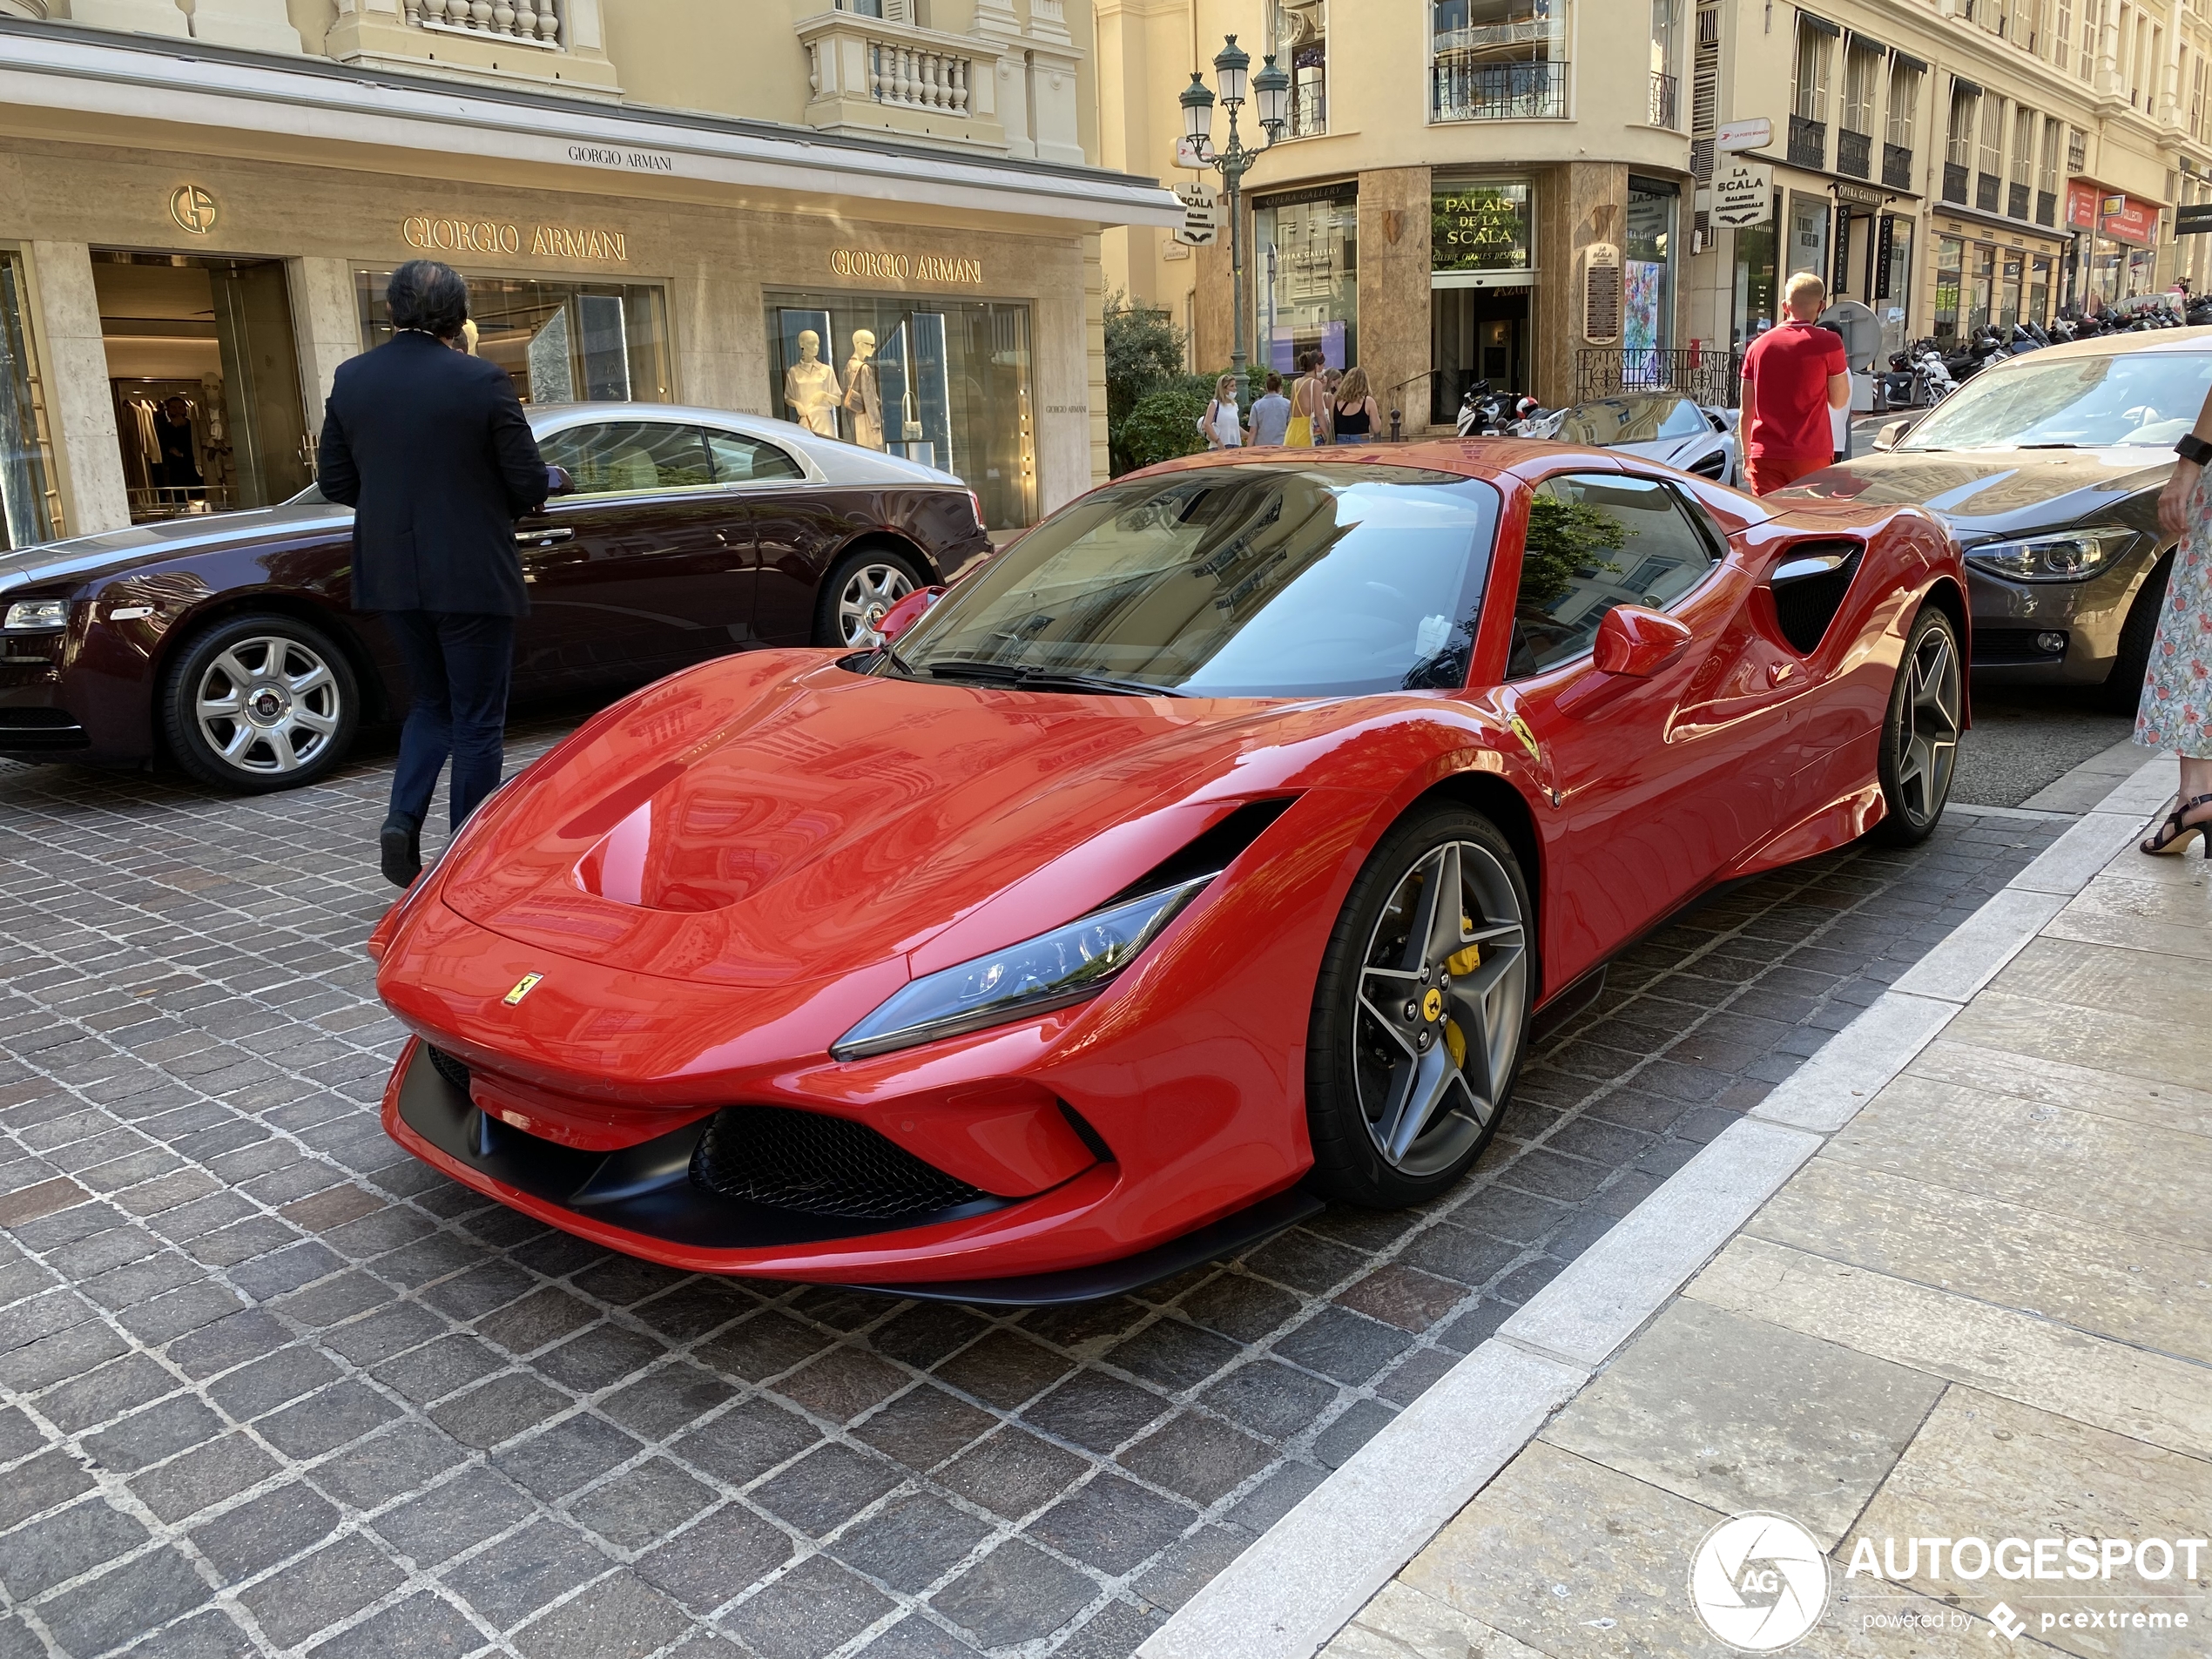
(1443, 993)
(1927, 735)
(268, 705)
(868, 595)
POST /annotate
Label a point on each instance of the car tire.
(1408, 1066)
(859, 588)
(259, 703)
(1920, 732)
(2122, 690)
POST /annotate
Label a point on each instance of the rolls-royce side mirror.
(558, 481)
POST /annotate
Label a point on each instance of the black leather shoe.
(400, 845)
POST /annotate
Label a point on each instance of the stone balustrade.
(534, 23)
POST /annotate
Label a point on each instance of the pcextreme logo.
(1758, 1583)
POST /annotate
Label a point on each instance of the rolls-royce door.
(643, 568)
(776, 498)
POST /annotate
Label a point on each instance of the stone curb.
(1285, 1596)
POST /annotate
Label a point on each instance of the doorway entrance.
(204, 372)
(1475, 335)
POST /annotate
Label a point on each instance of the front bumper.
(648, 1200)
(2009, 616)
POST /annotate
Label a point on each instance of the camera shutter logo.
(1758, 1583)
(193, 209)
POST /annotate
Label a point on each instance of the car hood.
(770, 818)
(1992, 492)
(82, 556)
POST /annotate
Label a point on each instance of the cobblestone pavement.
(266, 1385)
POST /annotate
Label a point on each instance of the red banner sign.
(2082, 206)
(2136, 221)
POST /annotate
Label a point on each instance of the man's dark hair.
(1274, 382)
(428, 295)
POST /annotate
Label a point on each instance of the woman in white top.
(1224, 422)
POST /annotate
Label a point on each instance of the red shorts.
(1766, 474)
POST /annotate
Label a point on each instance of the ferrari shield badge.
(523, 986)
(1527, 738)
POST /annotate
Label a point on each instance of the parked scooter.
(1482, 412)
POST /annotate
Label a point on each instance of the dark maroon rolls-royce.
(225, 640)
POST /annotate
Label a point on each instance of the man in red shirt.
(1793, 375)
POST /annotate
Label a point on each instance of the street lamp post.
(1273, 87)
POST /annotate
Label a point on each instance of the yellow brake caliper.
(1458, 966)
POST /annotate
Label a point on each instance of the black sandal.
(2174, 836)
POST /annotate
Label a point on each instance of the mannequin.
(811, 387)
(862, 396)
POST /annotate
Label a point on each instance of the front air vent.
(820, 1166)
(449, 1069)
(1809, 584)
(1213, 851)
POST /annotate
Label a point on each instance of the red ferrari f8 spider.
(1208, 850)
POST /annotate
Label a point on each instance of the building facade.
(651, 202)
(1523, 191)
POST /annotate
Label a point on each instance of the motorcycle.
(1482, 412)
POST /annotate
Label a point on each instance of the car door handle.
(544, 538)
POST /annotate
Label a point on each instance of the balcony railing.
(915, 79)
(1896, 168)
(2018, 199)
(534, 23)
(1988, 187)
(1662, 101)
(1808, 143)
(1854, 153)
(1309, 114)
(2047, 207)
(1467, 92)
(1954, 182)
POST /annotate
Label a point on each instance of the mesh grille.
(819, 1165)
(1805, 607)
(449, 1069)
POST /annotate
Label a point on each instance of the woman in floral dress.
(2176, 710)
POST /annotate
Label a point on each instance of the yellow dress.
(1299, 433)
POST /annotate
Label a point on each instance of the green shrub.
(1164, 423)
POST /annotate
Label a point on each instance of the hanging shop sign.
(1753, 134)
(904, 268)
(1742, 194)
(496, 237)
(1203, 216)
(2194, 221)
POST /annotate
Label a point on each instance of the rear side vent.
(822, 1166)
(1809, 585)
(1214, 851)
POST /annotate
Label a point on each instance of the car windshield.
(1239, 581)
(1644, 418)
(2147, 398)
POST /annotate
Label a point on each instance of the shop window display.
(29, 506)
(1950, 281)
(1755, 288)
(945, 382)
(1307, 245)
(205, 376)
(1647, 279)
(561, 342)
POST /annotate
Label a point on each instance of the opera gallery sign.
(1742, 194)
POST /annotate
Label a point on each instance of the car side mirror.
(908, 611)
(1637, 642)
(1891, 434)
(558, 481)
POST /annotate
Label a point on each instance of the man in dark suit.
(429, 445)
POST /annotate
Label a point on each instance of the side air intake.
(1809, 588)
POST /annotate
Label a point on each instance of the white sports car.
(1660, 426)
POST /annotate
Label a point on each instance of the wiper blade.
(2047, 446)
(1046, 680)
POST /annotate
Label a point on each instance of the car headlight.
(2068, 555)
(28, 615)
(1039, 974)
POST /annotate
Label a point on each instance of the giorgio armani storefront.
(170, 320)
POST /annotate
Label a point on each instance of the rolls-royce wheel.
(862, 588)
(1420, 1016)
(1920, 732)
(259, 703)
